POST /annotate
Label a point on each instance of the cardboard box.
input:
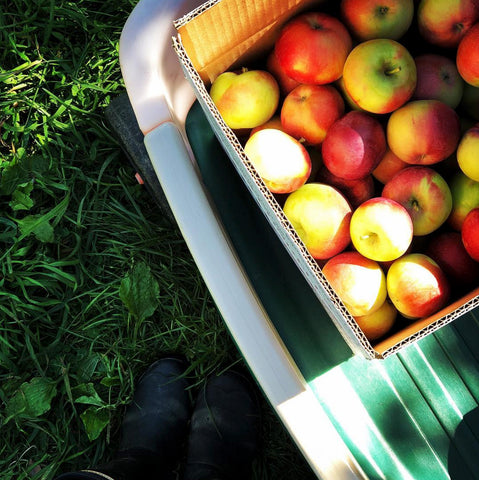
(222, 35)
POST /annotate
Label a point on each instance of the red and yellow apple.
(354, 145)
(281, 161)
(349, 102)
(312, 48)
(447, 250)
(320, 215)
(246, 99)
(356, 191)
(423, 132)
(470, 233)
(389, 165)
(380, 75)
(417, 286)
(445, 22)
(465, 197)
(286, 84)
(467, 56)
(438, 79)
(359, 282)
(368, 19)
(308, 112)
(424, 193)
(376, 324)
(381, 229)
(468, 153)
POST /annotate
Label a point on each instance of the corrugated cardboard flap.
(226, 31)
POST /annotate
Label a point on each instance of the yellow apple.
(359, 282)
(417, 286)
(281, 161)
(247, 99)
(320, 215)
(381, 229)
(376, 324)
(468, 153)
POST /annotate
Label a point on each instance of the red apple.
(423, 132)
(320, 215)
(308, 112)
(381, 229)
(465, 197)
(470, 233)
(280, 160)
(467, 56)
(447, 249)
(438, 79)
(424, 194)
(313, 47)
(356, 191)
(369, 19)
(445, 22)
(389, 165)
(417, 286)
(286, 84)
(354, 145)
(359, 282)
(379, 75)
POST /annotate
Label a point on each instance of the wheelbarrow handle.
(240, 307)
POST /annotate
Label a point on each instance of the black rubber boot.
(224, 432)
(154, 429)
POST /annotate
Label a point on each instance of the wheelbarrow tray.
(413, 415)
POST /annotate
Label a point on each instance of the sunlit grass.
(74, 227)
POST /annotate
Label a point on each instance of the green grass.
(80, 241)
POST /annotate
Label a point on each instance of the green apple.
(380, 75)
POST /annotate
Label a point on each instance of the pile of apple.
(362, 122)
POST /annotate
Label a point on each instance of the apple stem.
(392, 71)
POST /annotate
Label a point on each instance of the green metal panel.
(411, 416)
